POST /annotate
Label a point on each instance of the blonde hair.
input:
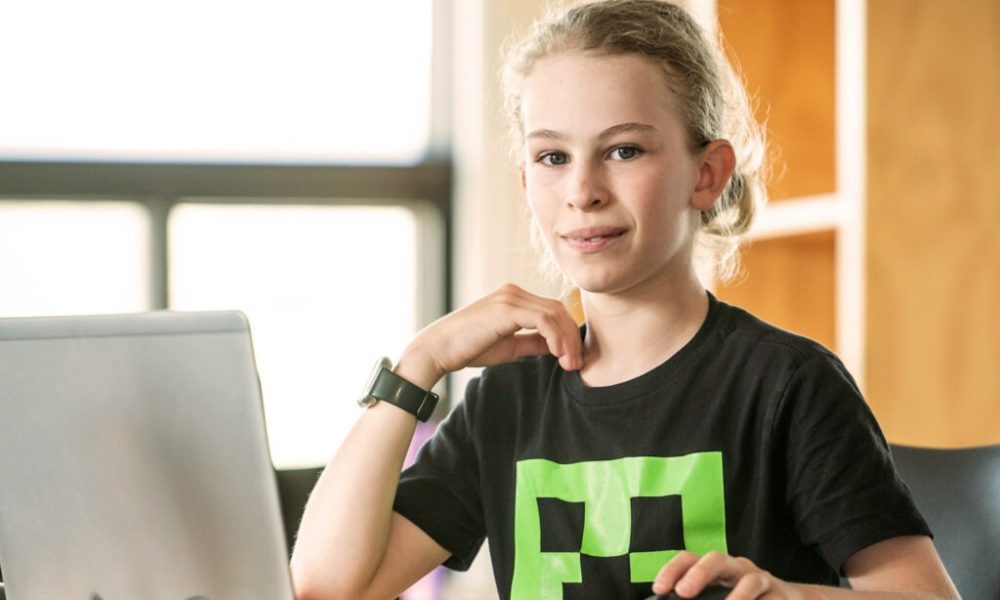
(712, 99)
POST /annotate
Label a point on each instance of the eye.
(625, 152)
(552, 159)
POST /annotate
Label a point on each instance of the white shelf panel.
(802, 215)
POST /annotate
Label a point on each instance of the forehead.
(582, 91)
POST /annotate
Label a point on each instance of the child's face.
(608, 171)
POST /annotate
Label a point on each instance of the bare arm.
(904, 563)
(350, 543)
(348, 525)
(898, 568)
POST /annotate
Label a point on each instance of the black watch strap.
(390, 387)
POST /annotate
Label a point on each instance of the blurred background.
(338, 171)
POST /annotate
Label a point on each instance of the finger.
(711, 568)
(672, 572)
(514, 310)
(574, 341)
(512, 348)
(527, 344)
(515, 296)
(560, 340)
(716, 567)
(751, 586)
(571, 343)
(549, 305)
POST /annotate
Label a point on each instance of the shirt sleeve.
(842, 486)
(440, 492)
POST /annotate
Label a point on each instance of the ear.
(520, 171)
(715, 166)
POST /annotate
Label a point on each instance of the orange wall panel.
(785, 51)
(934, 220)
(789, 282)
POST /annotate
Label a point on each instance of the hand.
(688, 574)
(504, 326)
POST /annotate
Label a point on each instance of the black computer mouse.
(711, 592)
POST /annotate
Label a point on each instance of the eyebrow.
(609, 132)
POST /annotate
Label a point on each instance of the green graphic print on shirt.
(606, 489)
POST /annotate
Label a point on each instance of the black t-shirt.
(750, 441)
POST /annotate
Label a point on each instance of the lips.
(593, 239)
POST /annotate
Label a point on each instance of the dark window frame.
(160, 186)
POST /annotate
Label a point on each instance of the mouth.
(593, 239)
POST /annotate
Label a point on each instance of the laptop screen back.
(134, 461)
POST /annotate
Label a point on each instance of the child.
(672, 442)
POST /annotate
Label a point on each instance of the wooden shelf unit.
(803, 269)
(893, 260)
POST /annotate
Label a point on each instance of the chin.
(603, 283)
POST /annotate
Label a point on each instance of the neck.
(632, 332)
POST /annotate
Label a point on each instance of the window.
(73, 258)
(269, 157)
(185, 80)
(327, 289)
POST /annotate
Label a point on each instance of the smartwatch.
(387, 386)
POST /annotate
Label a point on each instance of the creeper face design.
(606, 489)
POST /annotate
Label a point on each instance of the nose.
(586, 186)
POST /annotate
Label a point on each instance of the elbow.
(307, 583)
(952, 594)
(307, 593)
(304, 583)
(315, 582)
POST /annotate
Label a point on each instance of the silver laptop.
(134, 462)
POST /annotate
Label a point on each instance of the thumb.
(528, 344)
(512, 348)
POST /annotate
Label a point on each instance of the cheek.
(541, 214)
(539, 199)
(663, 207)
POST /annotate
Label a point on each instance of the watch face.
(367, 399)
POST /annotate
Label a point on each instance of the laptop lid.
(134, 461)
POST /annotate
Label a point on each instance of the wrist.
(388, 385)
(418, 368)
